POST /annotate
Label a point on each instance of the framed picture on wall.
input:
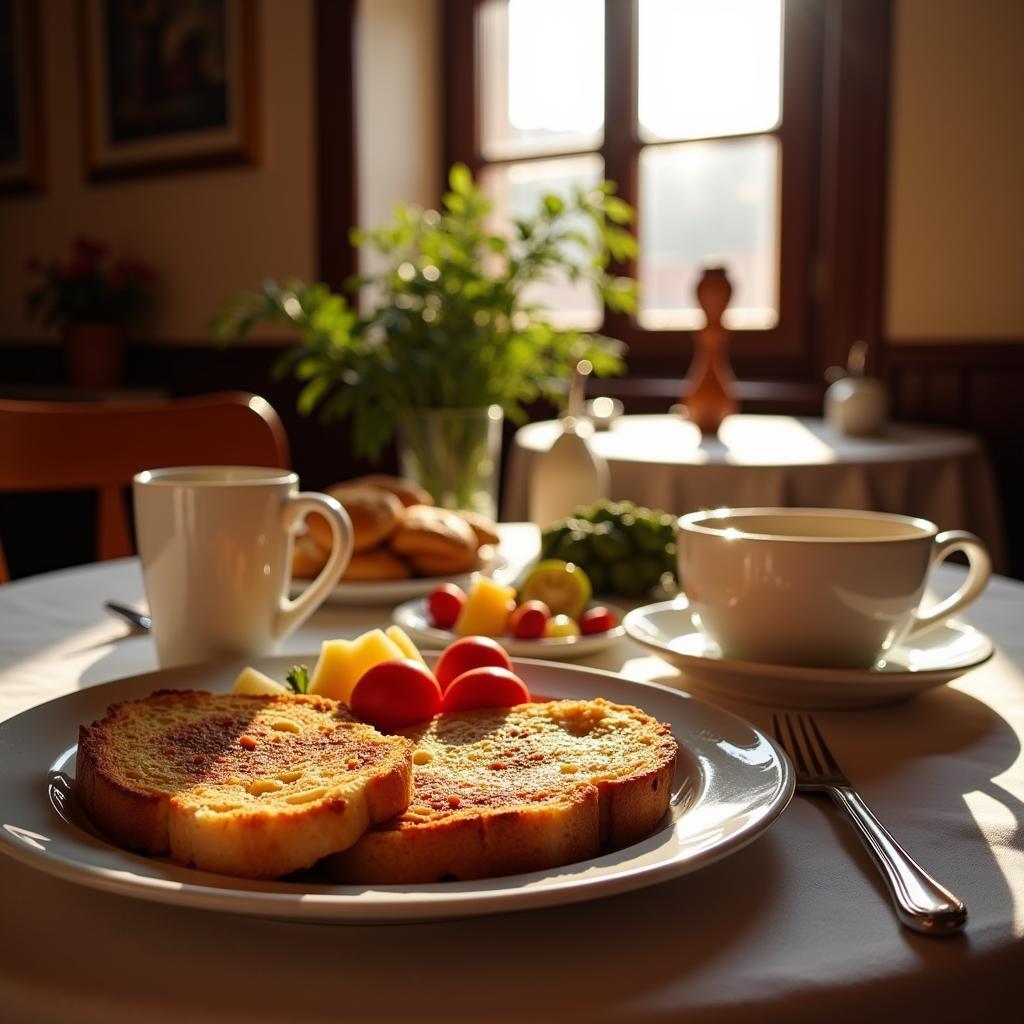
(168, 85)
(21, 107)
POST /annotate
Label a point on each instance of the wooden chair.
(66, 446)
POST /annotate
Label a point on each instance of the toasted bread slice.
(503, 791)
(256, 786)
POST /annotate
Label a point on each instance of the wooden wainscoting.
(978, 386)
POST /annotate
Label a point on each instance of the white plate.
(930, 660)
(370, 592)
(413, 618)
(730, 785)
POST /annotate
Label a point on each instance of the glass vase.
(454, 454)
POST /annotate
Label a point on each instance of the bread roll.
(436, 541)
(375, 514)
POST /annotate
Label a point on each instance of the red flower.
(85, 288)
(78, 267)
(136, 270)
(89, 250)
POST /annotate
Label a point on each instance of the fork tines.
(806, 747)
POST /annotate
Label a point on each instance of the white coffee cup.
(216, 547)
(809, 586)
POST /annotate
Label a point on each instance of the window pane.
(709, 202)
(542, 76)
(516, 191)
(709, 67)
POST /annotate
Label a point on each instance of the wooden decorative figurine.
(710, 392)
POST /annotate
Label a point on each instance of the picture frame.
(168, 85)
(22, 133)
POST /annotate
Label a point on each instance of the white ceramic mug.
(828, 587)
(216, 546)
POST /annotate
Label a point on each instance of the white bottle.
(568, 475)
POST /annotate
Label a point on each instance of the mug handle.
(979, 569)
(292, 614)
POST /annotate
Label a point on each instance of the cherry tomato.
(561, 625)
(469, 652)
(444, 604)
(485, 687)
(527, 622)
(394, 694)
(597, 620)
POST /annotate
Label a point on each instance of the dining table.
(794, 926)
(664, 461)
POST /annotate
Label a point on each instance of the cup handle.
(979, 569)
(292, 614)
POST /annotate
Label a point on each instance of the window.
(718, 121)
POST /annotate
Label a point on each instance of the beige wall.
(209, 233)
(399, 100)
(956, 185)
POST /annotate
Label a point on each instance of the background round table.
(795, 927)
(663, 462)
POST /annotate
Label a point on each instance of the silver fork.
(921, 903)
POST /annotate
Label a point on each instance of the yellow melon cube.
(331, 673)
(342, 663)
(487, 608)
(403, 642)
(251, 681)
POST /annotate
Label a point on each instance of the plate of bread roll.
(403, 544)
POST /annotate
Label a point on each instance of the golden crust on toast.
(508, 790)
(254, 786)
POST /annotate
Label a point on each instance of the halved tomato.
(485, 687)
(394, 694)
(469, 652)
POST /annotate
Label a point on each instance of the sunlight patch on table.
(772, 441)
(650, 439)
(649, 669)
(999, 824)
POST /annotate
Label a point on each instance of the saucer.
(934, 658)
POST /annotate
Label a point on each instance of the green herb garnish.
(298, 678)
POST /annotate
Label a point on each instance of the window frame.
(832, 209)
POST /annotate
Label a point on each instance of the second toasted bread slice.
(255, 786)
(503, 791)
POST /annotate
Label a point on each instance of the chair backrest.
(64, 446)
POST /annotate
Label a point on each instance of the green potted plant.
(452, 340)
(92, 301)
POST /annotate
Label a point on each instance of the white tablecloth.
(795, 927)
(663, 462)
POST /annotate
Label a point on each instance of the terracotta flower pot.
(94, 355)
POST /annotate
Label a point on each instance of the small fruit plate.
(413, 618)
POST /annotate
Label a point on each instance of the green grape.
(636, 576)
(600, 577)
(647, 535)
(574, 547)
(610, 544)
